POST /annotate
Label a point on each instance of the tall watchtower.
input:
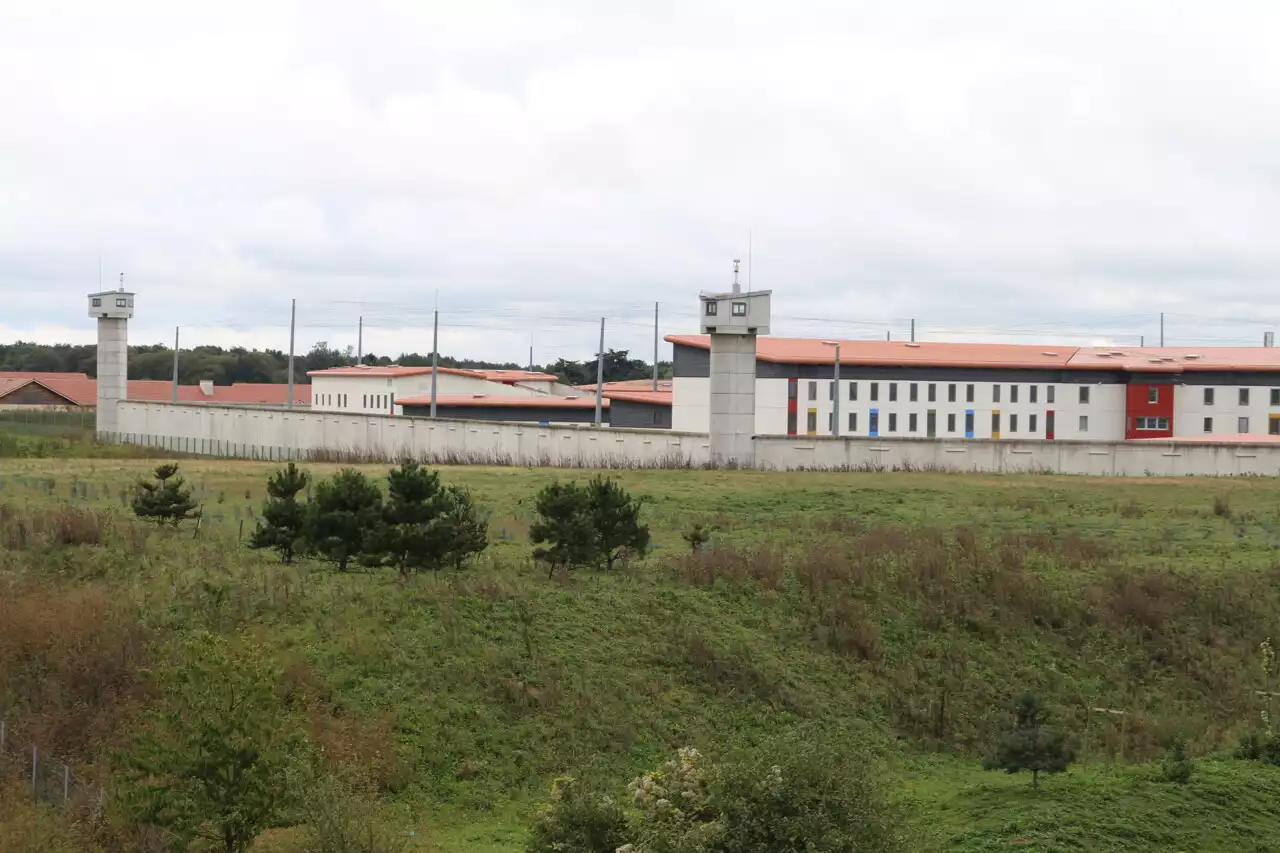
(733, 320)
(113, 309)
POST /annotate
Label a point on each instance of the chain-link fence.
(59, 423)
(45, 777)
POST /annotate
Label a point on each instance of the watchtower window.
(122, 303)
(739, 309)
(97, 303)
(711, 309)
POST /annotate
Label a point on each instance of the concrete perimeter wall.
(275, 434)
(261, 433)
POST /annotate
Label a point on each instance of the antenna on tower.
(736, 287)
(122, 282)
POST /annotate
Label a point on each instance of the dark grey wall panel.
(625, 413)
(691, 362)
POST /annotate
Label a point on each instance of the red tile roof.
(513, 375)
(1227, 438)
(82, 391)
(495, 375)
(27, 374)
(540, 401)
(942, 354)
(636, 391)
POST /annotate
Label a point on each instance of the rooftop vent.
(1118, 352)
(1192, 355)
(571, 396)
(914, 346)
(1104, 355)
(1048, 352)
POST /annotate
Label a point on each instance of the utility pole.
(913, 330)
(600, 377)
(835, 391)
(293, 327)
(1161, 328)
(360, 341)
(655, 338)
(435, 358)
(888, 335)
(175, 363)
(531, 357)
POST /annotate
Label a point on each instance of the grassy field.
(904, 609)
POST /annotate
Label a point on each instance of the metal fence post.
(35, 763)
(66, 784)
(2, 725)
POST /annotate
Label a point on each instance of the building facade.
(944, 390)
(373, 389)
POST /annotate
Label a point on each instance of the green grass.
(903, 609)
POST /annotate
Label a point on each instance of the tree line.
(237, 364)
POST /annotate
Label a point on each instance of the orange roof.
(942, 354)
(893, 353)
(496, 375)
(1227, 438)
(27, 374)
(1177, 359)
(82, 391)
(541, 401)
(378, 370)
(632, 385)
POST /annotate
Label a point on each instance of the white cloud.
(996, 169)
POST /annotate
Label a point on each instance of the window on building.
(1048, 393)
(893, 422)
(1013, 422)
(1208, 424)
(1013, 393)
(1084, 395)
(122, 303)
(812, 421)
(933, 393)
(1275, 396)
(710, 309)
(791, 422)
(1244, 396)
(995, 393)
(831, 390)
(97, 303)
(1153, 394)
(831, 420)
(813, 390)
(995, 424)
(968, 394)
(951, 393)
(1084, 423)
(951, 420)
(792, 389)
(1034, 393)
(739, 309)
(853, 390)
(875, 391)
(1152, 423)
(911, 422)
(893, 391)
(1208, 396)
(914, 392)
(1242, 424)
(873, 422)
(364, 401)
(1273, 425)
(968, 424)
(853, 422)
(1031, 421)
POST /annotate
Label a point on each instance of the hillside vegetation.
(900, 610)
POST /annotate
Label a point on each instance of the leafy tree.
(696, 536)
(167, 500)
(615, 515)
(1177, 765)
(214, 764)
(342, 516)
(1029, 745)
(564, 531)
(283, 521)
(577, 820)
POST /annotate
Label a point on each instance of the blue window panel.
(873, 424)
(968, 423)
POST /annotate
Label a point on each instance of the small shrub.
(563, 532)
(577, 820)
(1221, 506)
(696, 536)
(341, 516)
(615, 515)
(1177, 766)
(344, 818)
(166, 501)
(1132, 509)
(1259, 745)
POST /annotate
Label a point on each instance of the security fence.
(58, 423)
(44, 776)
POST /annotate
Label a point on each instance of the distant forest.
(237, 364)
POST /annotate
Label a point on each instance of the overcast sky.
(996, 170)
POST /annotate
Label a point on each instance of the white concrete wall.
(733, 399)
(270, 433)
(691, 403)
(1190, 409)
(262, 433)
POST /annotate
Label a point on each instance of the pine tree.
(407, 537)
(615, 515)
(565, 526)
(166, 501)
(342, 516)
(1029, 745)
(283, 521)
(467, 527)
